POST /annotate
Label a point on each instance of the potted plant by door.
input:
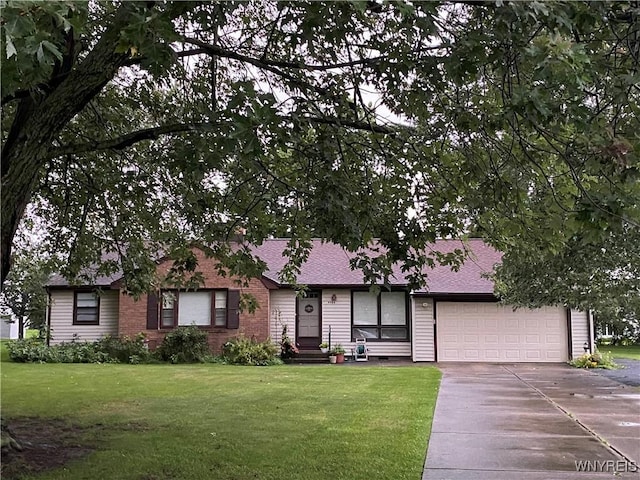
(332, 357)
(324, 347)
(338, 351)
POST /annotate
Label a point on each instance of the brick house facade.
(133, 314)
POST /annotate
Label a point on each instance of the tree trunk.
(39, 120)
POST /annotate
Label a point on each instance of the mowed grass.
(227, 422)
(620, 351)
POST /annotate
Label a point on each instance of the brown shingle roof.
(328, 264)
(57, 280)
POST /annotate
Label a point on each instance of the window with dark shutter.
(233, 309)
(152, 311)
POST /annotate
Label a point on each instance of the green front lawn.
(619, 351)
(225, 422)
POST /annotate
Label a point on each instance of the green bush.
(27, 350)
(245, 351)
(33, 350)
(184, 345)
(125, 349)
(595, 360)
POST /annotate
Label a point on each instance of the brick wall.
(133, 314)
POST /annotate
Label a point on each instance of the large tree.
(132, 126)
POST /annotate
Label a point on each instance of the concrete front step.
(311, 356)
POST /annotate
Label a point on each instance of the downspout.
(570, 333)
(590, 327)
(47, 319)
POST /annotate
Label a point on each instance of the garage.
(489, 332)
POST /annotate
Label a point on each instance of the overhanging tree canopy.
(134, 125)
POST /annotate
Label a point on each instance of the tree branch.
(185, 53)
(124, 141)
(19, 94)
(268, 64)
(153, 133)
(262, 64)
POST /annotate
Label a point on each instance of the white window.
(194, 308)
(380, 317)
(220, 305)
(167, 312)
(87, 308)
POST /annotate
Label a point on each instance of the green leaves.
(35, 35)
(515, 121)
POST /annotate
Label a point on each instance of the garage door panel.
(470, 323)
(512, 355)
(512, 339)
(472, 355)
(492, 355)
(532, 339)
(468, 331)
(532, 323)
(553, 340)
(511, 324)
(450, 339)
(553, 322)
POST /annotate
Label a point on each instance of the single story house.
(456, 319)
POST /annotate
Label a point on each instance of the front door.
(308, 324)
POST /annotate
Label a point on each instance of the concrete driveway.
(532, 421)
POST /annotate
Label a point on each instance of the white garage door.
(487, 332)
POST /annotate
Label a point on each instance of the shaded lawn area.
(226, 422)
(622, 351)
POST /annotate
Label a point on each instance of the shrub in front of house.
(247, 351)
(28, 350)
(125, 349)
(32, 350)
(184, 345)
(595, 360)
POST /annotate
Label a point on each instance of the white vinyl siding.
(422, 330)
(194, 308)
(488, 332)
(337, 315)
(579, 332)
(61, 318)
(282, 312)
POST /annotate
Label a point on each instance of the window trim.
(75, 308)
(176, 306)
(380, 326)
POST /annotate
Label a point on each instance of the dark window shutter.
(233, 309)
(152, 311)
